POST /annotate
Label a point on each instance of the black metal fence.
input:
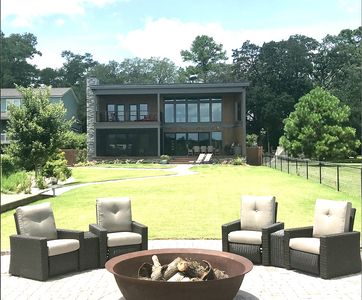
(342, 177)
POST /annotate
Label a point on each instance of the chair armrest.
(29, 257)
(294, 233)
(225, 230)
(70, 234)
(340, 254)
(101, 232)
(143, 231)
(265, 240)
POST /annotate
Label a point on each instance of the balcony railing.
(122, 117)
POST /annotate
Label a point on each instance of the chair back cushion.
(114, 214)
(257, 212)
(331, 217)
(36, 220)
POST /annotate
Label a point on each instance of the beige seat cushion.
(331, 217)
(36, 220)
(310, 245)
(123, 239)
(61, 246)
(245, 237)
(257, 212)
(114, 214)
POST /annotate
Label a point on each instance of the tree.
(16, 51)
(317, 128)
(35, 129)
(205, 53)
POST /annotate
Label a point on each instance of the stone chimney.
(91, 117)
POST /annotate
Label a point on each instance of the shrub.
(165, 157)
(16, 183)
(7, 165)
(238, 161)
(251, 140)
(57, 167)
(73, 140)
(81, 155)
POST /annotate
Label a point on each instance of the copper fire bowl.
(125, 268)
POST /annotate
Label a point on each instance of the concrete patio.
(261, 283)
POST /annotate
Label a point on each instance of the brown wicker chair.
(39, 250)
(330, 248)
(250, 235)
(117, 233)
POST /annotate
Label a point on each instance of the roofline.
(184, 88)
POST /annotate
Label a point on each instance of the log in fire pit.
(125, 270)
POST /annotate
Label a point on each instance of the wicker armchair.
(330, 248)
(250, 236)
(117, 233)
(39, 250)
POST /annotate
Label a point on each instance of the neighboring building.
(150, 120)
(12, 96)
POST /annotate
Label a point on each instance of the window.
(169, 113)
(9, 102)
(192, 112)
(133, 112)
(180, 112)
(216, 112)
(115, 112)
(143, 111)
(205, 112)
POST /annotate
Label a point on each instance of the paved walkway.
(260, 283)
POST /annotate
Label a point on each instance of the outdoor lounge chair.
(39, 250)
(203, 149)
(207, 158)
(200, 158)
(196, 150)
(117, 233)
(330, 247)
(250, 235)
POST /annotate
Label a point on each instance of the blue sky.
(119, 29)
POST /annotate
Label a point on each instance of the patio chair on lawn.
(200, 158)
(250, 235)
(40, 250)
(330, 247)
(117, 233)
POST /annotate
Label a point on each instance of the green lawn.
(94, 174)
(194, 206)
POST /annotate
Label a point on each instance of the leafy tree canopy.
(317, 128)
(35, 128)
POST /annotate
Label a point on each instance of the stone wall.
(91, 118)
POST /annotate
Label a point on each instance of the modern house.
(151, 120)
(12, 96)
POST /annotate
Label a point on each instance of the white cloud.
(59, 22)
(167, 37)
(23, 13)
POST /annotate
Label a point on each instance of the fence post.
(296, 167)
(288, 159)
(306, 164)
(361, 183)
(338, 178)
(320, 172)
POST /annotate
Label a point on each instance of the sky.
(120, 29)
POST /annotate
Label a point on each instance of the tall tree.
(35, 128)
(16, 50)
(205, 54)
(338, 69)
(318, 128)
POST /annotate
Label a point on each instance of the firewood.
(220, 274)
(171, 268)
(177, 277)
(156, 269)
(191, 268)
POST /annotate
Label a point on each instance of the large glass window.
(169, 113)
(180, 112)
(133, 112)
(204, 138)
(216, 140)
(192, 112)
(204, 112)
(143, 111)
(216, 112)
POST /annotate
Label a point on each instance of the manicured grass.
(194, 206)
(95, 174)
(137, 166)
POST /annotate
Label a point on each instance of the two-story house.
(150, 120)
(12, 96)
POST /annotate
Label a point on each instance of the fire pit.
(125, 270)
